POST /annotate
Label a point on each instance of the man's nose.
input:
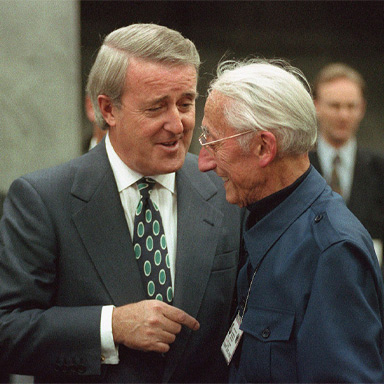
(174, 121)
(206, 160)
(344, 112)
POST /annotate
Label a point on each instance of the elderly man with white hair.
(310, 295)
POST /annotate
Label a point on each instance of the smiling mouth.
(170, 144)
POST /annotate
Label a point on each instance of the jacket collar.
(274, 224)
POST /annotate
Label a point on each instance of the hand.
(149, 325)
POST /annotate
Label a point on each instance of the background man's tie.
(150, 245)
(335, 180)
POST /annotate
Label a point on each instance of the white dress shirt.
(347, 154)
(164, 195)
(93, 142)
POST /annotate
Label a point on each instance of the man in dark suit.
(2, 198)
(339, 93)
(73, 303)
(3, 377)
(310, 295)
(97, 134)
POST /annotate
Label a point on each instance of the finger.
(181, 317)
(171, 326)
(162, 344)
(167, 338)
(161, 347)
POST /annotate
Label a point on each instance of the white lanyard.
(232, 340)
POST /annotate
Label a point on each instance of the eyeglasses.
(203, 138)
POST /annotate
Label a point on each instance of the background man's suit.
(367, 193)
(66, 251)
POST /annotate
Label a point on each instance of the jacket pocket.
(225, 261)
(268, 325)
(268, 350)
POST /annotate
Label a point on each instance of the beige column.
(40, 85)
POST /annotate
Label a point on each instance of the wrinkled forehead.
(215, 109)
(216, 102)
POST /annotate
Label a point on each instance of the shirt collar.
(346, 152)
(125, 176)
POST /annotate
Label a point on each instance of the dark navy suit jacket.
(315, 307)
(65, 251)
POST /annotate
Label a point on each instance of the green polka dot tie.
(150, 245)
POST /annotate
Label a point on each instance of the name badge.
(232, 340)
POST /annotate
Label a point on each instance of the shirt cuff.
(109, 351)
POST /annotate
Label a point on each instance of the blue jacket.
(315, 307)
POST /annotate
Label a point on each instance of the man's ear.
(267, 148)
(106, 109)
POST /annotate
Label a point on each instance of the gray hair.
(268, 95)
(146, 41)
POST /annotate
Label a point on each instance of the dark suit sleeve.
(343, 321)
(37, 337)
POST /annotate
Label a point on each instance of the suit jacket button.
(266, 333)
(318, 218)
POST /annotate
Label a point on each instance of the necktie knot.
(336, 160)
(145, 185)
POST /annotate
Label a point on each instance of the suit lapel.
(199, 223)
(101, 224)
(359, 185)
(198, 232)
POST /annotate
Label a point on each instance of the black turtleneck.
(262, 207)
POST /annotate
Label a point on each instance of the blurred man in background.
(2, 198)
(97, 133)
(355, 173)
